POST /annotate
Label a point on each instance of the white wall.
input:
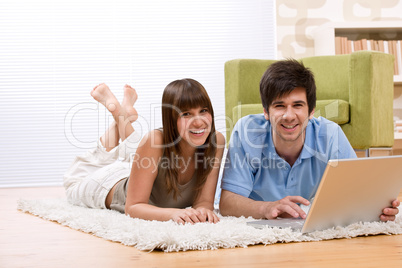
(52, 53)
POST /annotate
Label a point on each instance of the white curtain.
(52, 53)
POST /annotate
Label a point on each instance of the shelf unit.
(324, 36)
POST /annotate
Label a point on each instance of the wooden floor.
(28, 241)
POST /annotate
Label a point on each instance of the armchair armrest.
(365, 80)
(371, 100)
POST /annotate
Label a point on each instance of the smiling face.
(289, 116)
(194, 126)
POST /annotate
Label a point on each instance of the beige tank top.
(159, 196)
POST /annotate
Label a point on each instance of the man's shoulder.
(251, 133)
(253, 126)
(322, 125)
(327, 138)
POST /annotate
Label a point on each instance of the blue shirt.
(253, 168)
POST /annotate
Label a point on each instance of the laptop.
(350, 191)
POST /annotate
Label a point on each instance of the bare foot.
(103, 95)
(130, 97)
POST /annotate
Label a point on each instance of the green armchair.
(355, 91)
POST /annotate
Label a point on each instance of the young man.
(276, 160)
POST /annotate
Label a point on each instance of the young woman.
(172, 168)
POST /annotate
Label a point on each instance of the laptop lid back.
(353, 190)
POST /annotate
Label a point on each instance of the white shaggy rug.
(230, 232)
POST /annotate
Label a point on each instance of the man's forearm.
(232, 204)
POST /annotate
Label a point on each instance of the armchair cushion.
(334, 110)
(240, 111)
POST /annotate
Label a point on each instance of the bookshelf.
(324, 36)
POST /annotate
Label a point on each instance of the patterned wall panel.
(296, 19)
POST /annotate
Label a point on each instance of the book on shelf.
(381, 45)
(393, 47)
(398, 126)
(399, 53)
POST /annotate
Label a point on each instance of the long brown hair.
(178, 96)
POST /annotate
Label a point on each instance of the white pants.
(92, 175)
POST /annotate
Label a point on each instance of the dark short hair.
(282, 77)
